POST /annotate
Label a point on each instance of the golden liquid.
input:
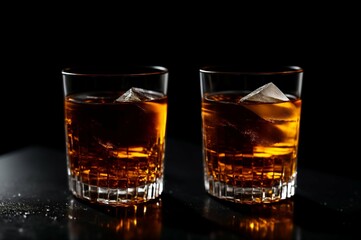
(115, 145)
(250, 147)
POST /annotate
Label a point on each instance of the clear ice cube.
(268, 93)
(135, 94)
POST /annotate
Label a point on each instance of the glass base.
(114, 196)
(253, 195)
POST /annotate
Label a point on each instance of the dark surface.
(36, 204)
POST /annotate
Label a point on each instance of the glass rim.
(250, 70)
(115, 71)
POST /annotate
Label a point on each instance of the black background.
(38, 41)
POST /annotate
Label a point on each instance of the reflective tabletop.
(35, 204)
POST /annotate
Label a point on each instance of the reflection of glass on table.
(142, 221)
(261, 221)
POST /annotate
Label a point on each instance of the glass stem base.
(251, 195)
(116, 196)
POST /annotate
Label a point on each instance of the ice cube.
(135, 94)
(284, 109)
(268, 93)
